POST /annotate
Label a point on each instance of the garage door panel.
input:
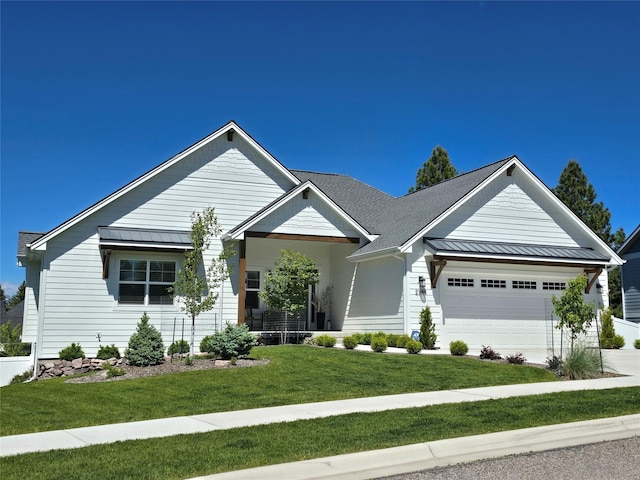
(503, 307)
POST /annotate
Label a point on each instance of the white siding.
(306, 217)
(229, 176)
(376, 300)
(30, 315)
(510, 209)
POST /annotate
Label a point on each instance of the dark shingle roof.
(360, 201)
(406, 216)
(24, 239)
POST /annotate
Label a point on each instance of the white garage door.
(503, 310)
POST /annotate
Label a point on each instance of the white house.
(485, 251)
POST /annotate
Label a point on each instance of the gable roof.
(630, 241)
(229, 127)
(360, 201)
(238, 231)
(27, 238)
(406, 217)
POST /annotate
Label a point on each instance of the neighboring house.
(485, 251)
(630, 252)
(13, 315)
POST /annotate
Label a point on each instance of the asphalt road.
(615, 460)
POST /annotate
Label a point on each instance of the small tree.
(574, 312)
(427, 329)
(196, 288)
(145, 345)
(286, 287)
(608, 337)
(17, 298)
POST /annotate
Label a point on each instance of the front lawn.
(186, 456)
(296, 374)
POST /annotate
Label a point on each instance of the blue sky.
(96, 93)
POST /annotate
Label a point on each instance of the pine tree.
(435, 170)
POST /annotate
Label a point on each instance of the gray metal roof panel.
(121, 235)
(443, 246)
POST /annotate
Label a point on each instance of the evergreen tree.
(435, 170)
(3, 299)
(17, 298)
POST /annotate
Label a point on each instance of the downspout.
(405, 292)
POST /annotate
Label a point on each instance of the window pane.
(158, 295)
(131, 293)
(253, 279)
(251, 300)
(169, 272)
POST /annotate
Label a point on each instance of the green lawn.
(296, 374)
(194, 455)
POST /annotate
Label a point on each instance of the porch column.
(241, 283)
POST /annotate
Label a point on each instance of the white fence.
(12, 366)
(629, 330)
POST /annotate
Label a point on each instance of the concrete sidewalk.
(85, 436)
(441, 453)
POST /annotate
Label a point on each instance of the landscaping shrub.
(402, 340)
(608, 337)
(379, 343)
(458, 347)
(178, 347)
(10, 345)
(428, 335)
(113, 371)
(413, 346)
(581, 362)
(233, 341)
(145, 345)
(71, 352)
(188, 360)
(364, 338)
(349, 342)
(107, 352)
(325, 340)
(488, 353)
(21, 377)
(554, 363)
(392, 339)
(636, 343)
(517, 359)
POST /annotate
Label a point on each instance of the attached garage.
(505, 304)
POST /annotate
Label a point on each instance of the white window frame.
(261, 271)
(147, 282)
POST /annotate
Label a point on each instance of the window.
(145, 282)
(553, 285)
(493, 283)
(460, 282)
(524, 284)
(252, 282)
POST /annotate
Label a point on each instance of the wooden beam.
(513, 261)
(241, 283)
(304, 238)
(435, 269)
(106, 256)
(596, 273)
(510, 170)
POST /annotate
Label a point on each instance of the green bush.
(636, 343)
(21, 377)
(107, 352)
(379, 343)
(402, 340)
(392, 339)
(580, 363)
(145, 345)
(188, 360)
(325, 340)
(363, 338)
(10, 345)
(428, 335)
(179, 346)
(350, 342)
(608, 337)
(113, 371)
(71, 352)
(458, 347)
(413, 346)
(233, 341)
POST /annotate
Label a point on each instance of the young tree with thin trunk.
(574, 312)
(197, 286)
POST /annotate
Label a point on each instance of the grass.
(296, 374)
(194, 455)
